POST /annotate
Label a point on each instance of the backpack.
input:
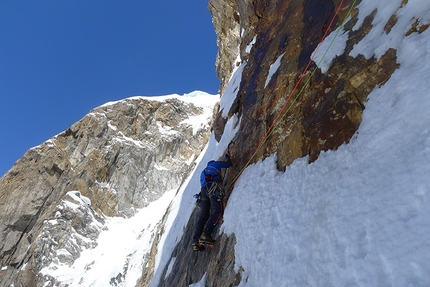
(212, 172)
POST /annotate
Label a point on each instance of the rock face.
(311, 110)
(227, 27)
(118, 158)
(328, 111)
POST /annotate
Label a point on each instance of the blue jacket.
(212, 172)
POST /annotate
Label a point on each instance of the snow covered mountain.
(327, 103)
(62, 198)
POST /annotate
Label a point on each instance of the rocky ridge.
(114, 161)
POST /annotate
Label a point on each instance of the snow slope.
(121, 248)
(358, 216)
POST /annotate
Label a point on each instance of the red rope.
(286, 102)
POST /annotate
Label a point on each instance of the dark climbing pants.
(211, 211)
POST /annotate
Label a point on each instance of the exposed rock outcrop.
(118, 158)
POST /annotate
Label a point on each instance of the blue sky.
(60, 59)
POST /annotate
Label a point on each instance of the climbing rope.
(284, 110)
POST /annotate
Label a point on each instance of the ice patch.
(249, 47)
(273, 68)
(231, 90)
(332, 46)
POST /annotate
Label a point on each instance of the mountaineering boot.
(206, 239)
(198, 247)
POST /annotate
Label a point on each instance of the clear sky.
(60, 59)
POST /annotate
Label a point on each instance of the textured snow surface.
(358, 216)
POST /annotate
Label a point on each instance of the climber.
(211, 202)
